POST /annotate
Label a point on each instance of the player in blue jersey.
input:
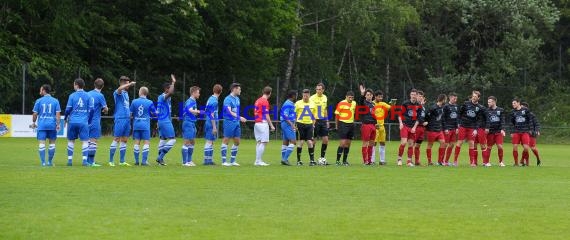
(122, 124)
(48, 110)
(100, 105)
(190, 116)
(142, 109)
(232, 128)
(211, 125)
(288, 129)
(78, 116)
(165, 127)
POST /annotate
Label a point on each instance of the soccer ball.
(322, 162)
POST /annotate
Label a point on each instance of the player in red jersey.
(434, 119)
(469, 113)
(365, 112)
(522, 119)
(408, 123)
(263, 125)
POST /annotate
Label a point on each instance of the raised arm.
(171, 89)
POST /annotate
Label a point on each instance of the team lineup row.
(445, 122)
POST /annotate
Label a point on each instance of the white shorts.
(261, 132)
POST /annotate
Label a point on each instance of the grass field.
(277, 202)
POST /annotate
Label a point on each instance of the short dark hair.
(476, 92)
(46, 88)
(441, 97)
(234, 85)
(369, 90)
(321, 85)
(124, 78)
(492, 98)
(517, 100)
(79, 82)
(525, 104)
(378, 93)
(452, 94)
(420, 92)
(292, 93)
(306, 90)
(413, 90)
(166, 85)
(99, 83)
(350, 94)
(267, 90)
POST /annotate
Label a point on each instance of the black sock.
(323, 150)
(339, 151)
(299, 150)
(345, 156)
(312, 154)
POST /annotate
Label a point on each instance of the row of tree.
(504, 48)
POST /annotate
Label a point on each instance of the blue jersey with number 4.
(46, 107)
(142, 109)
(79, 107)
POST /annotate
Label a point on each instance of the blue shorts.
(47, 134)
(122, 128)
(141, 134)
(166, 130)
(95, 130)
(208, 134)
(287, 132)
(189, 130)
(75, 130)
(232, 129)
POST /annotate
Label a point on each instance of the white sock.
(382, 151)
(259, 152)
(373, 158)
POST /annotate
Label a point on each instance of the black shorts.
(345, 130)
(321, 129)
(305, 131)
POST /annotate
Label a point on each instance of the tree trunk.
(290, 64)
(387, 88)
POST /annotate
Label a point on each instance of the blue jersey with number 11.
(46, 107)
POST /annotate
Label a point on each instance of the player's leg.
(234, 151)
(224, 150)
(145, 150)
(403, 141)
(428, 148)
(168, 134)
(136, 147)
(41, 136)
(472, 154)
(84, 138)
(123, 151)
(311, 145)
(264, 139)
(515, 137)
(209, 152)
(347, 144)
(364, 148)
(461, 137)
(51, 149)
(532, 145)
(441, 152)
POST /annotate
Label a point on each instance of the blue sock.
(112, 151)
(51, 153)
(136, 151)
(122, 152)
(184, 154)
(167, 146)
(70, 147)
(234, 154)
(145, 154)
(42, 152)
(190, 152)
(224, 150)
(84, 151)
(283, 152)
(289, 150)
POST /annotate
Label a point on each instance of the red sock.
(525, 157)
(441, 155)
(475, 155)
(471, 156)
(448, 152)
(535, 151)
(410, 153)
(401, 150)
(428, 153)
(500, 151)
(417, 154)
(516, 156)
(364, 154)
(370, 151)
(457, 151)
(487, 155)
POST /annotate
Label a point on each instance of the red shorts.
(420, 132)
(465, 133)
(406, 132)
(481, 136)
(494, 138)
(521, 138)
(435, 136)
(368, 132)
(450, 136)
(532, 142)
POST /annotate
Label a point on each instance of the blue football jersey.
(46, 107)
(98, 104)
(164, 108)
(190, 104)
(142, 109)
(211, 109)
(233, 103)
(79, 106)
(122, 110)
(288, 111)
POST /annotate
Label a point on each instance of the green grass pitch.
(277, 202)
